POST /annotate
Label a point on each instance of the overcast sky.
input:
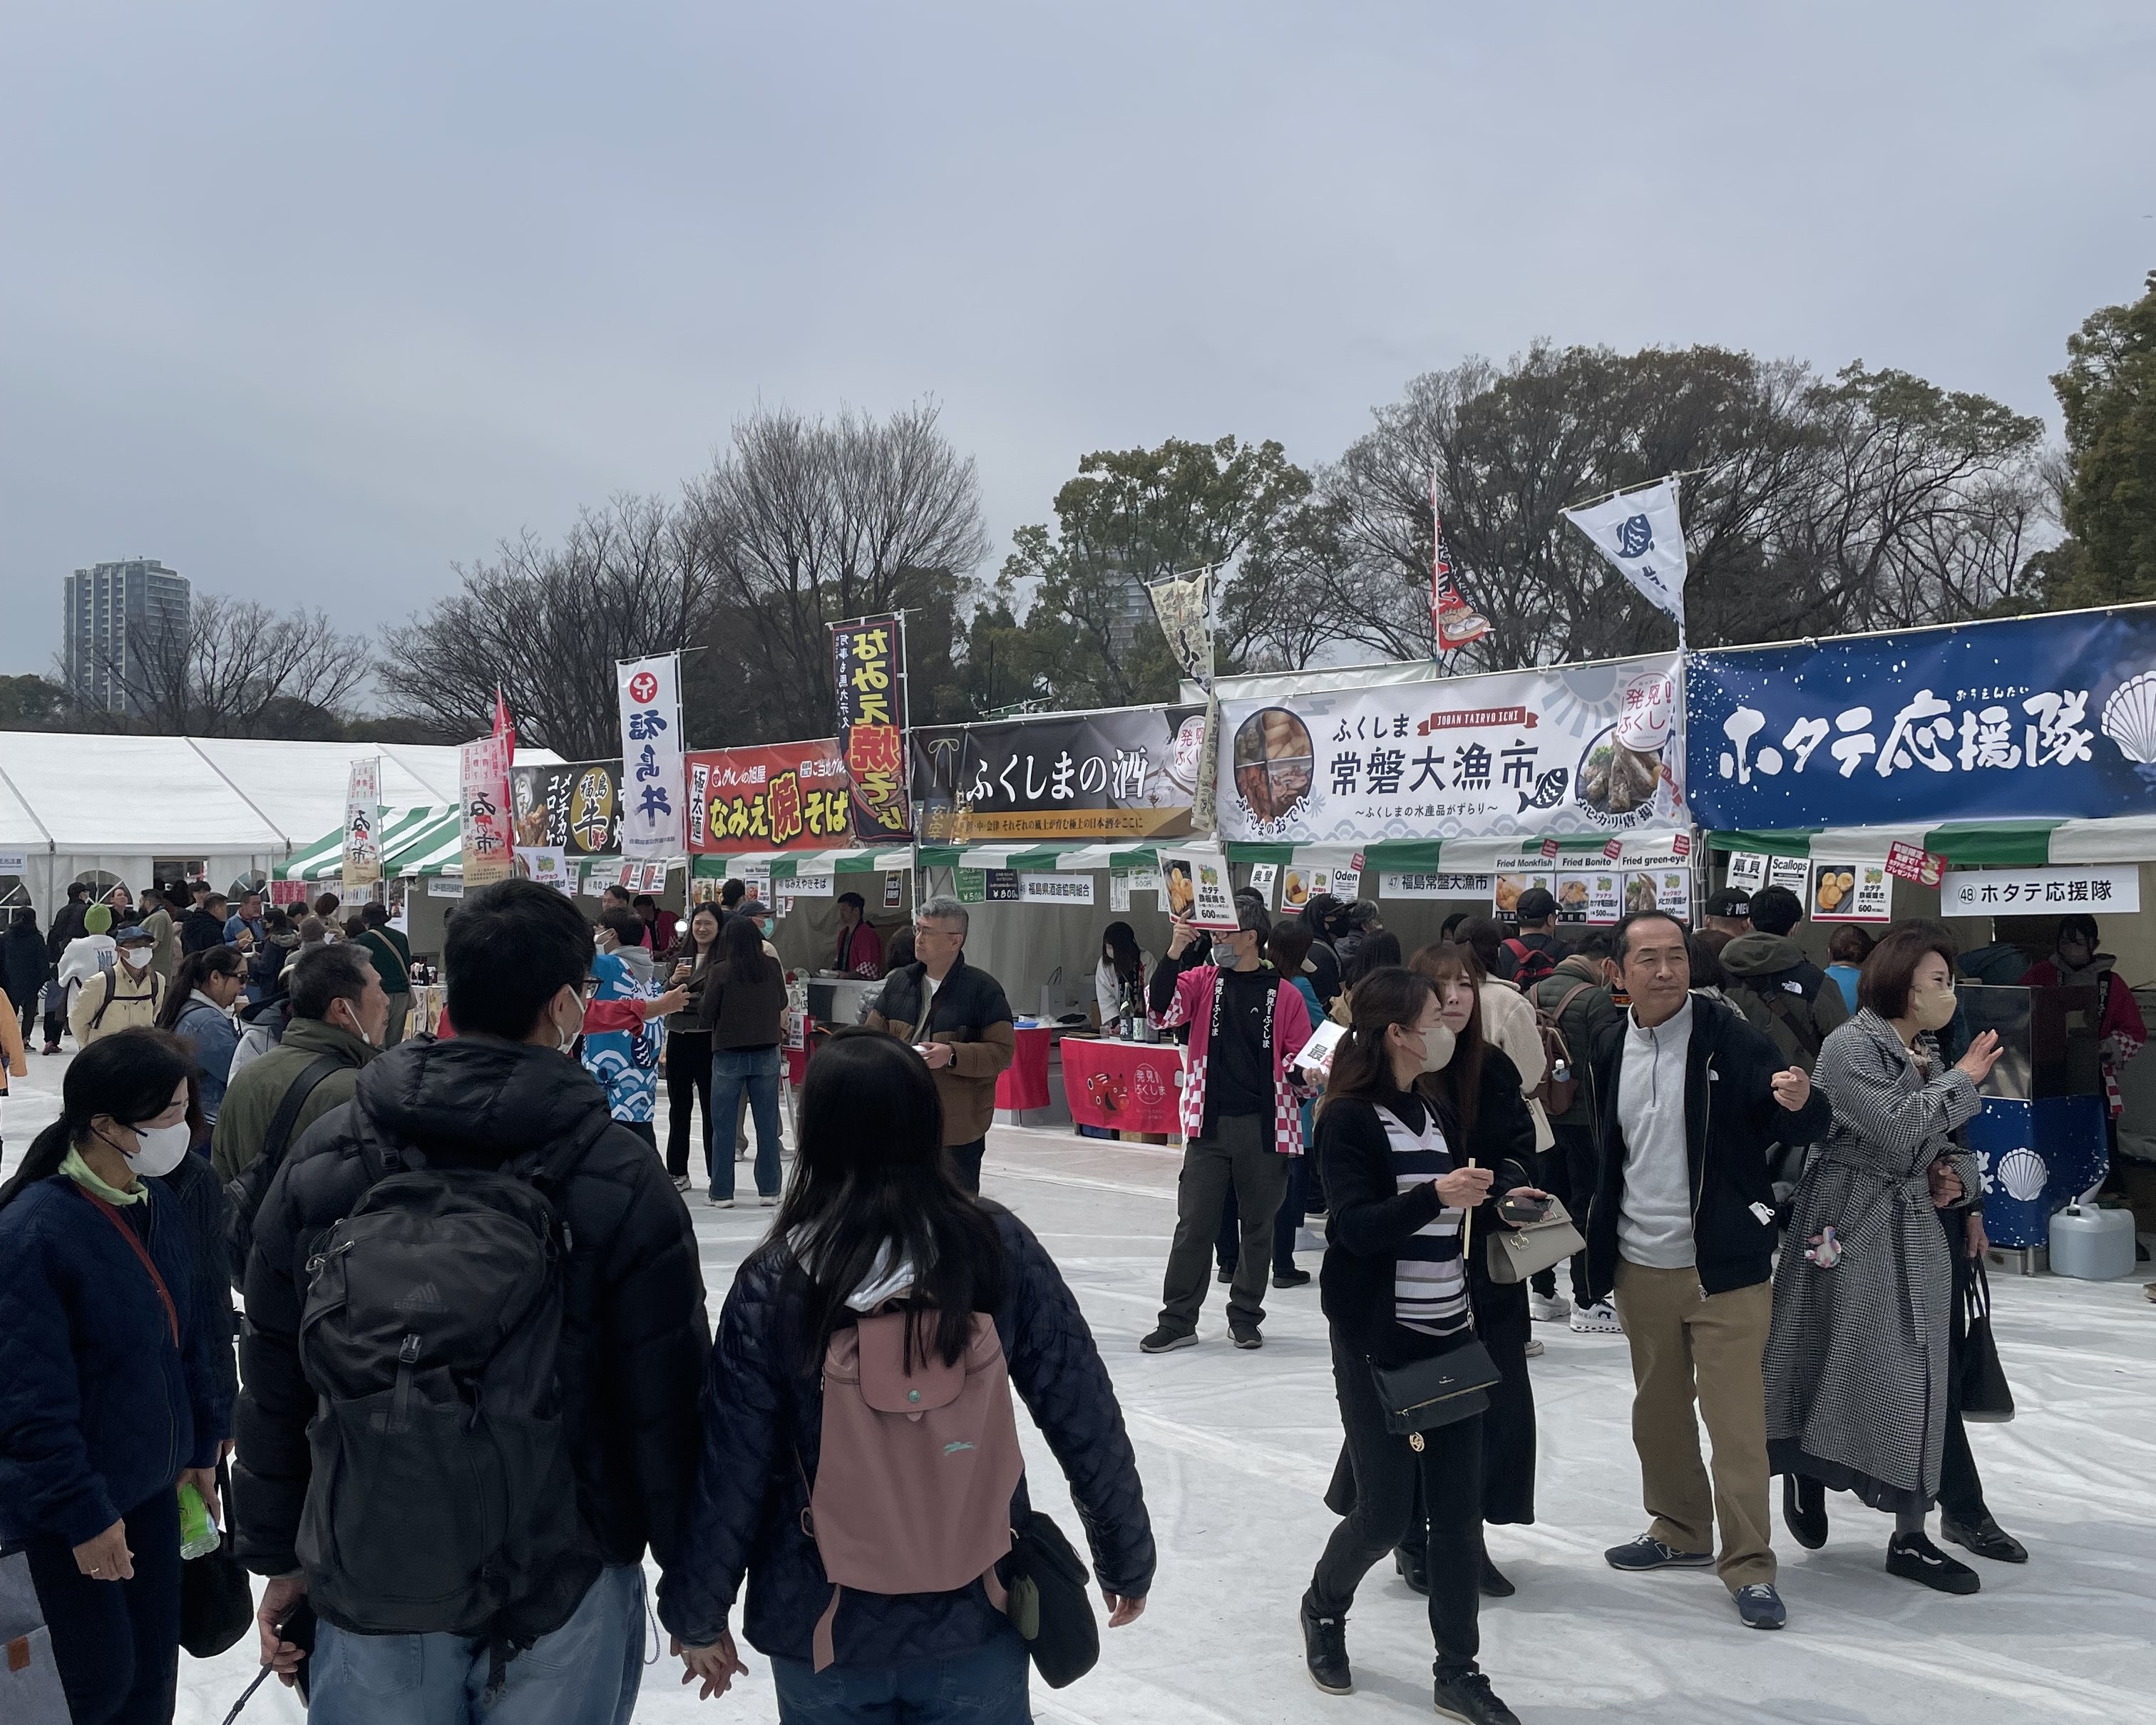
(311, 302)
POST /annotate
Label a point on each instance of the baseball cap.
(1729, 902)
(1537, 904)
(133, 935)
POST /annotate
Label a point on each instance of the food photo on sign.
(572, 806)
(1568, 749)
(1851, 892)
(1198, 889)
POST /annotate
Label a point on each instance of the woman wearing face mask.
(109, 1399)
(129, 996)
(1858, 1395)
(197, 1009)
(1395, 1291)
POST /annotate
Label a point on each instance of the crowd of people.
(476, 1392)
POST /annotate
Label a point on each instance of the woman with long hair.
(688, 1055)
(1119, 983)
(1377, 950)
(743, 1007)
(197, 1009)
(874, 1222)
(1395, 1293)
(1477, 1099)
(108, 1398)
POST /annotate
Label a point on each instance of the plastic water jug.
(2094, 1245)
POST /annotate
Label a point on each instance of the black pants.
(1229, 1247)
(117, 1643)
(1384, 1469)
(28, 1011)
(1961, 1488)
(1570, 1171)
(1240, 1156)
(688, 1083)
(643, 1129)
(56, 1016)
(966, 1163)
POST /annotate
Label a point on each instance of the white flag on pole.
(651, 782)
(1640, 532)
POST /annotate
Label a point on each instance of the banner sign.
(1459, 887)
(15, 862)
(484, 828)
(781, 795)
(1055, 887)
(362, 827)
(1641, 533)
(2041, 891)
(2026, 717)
(1128, 773)
(650, 690)
(1569, 749)
(868, 666)
(573, 807)
(1913, 862)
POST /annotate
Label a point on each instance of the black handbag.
(1049, 1605)
(1981, 1385)
(1427, 1394)
(216, 1600)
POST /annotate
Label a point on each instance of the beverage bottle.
(199, 1534)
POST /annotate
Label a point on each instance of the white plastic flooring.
(1236, 1450)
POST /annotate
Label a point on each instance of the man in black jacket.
(1686, 1097)
(203, 926)
(634, 1336)
(1576, 997)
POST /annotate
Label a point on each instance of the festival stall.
(1996, 776)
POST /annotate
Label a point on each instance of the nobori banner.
(1569, 749)
(781, 796)
(2031, 716)
(1126, 773)
(868, 676)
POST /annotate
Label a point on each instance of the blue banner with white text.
(2029, 717)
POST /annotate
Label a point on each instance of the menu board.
(1851, 892)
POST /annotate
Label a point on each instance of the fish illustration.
(1549, 790)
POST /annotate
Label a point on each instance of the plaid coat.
(1856, 1362)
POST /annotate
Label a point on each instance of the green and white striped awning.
(1478, 855)
(324, 860)
(1039, 858)
(1968, 843)
(792, 864)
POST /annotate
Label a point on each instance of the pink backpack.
(913, 1489)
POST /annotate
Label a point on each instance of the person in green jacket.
(339, 1008)
(393, 963)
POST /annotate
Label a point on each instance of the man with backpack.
(1573, 1002)
(1776, 987)
(475, 1339)
(1525, 958)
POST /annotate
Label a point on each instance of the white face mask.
(1437, 1046)
(160, 1149)
(136, 958)
(565, 1040)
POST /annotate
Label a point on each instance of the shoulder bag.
(1426, 1393)
(1049, 1604)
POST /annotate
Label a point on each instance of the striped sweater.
(1430, 1282)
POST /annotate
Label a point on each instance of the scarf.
(84, 1176)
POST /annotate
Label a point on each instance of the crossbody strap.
(142, 1251)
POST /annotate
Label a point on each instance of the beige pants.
(1688, 1347)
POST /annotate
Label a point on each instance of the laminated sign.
(1198, 887)
(868, 666)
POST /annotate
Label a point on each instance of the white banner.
(1058, 887)
(1594, 748)
(487, 847)
(15, 862)
(362, 827)
(1640, 532)
(2041, 891)
(652, 802)
(1455, 886)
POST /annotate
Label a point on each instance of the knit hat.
(98, 919)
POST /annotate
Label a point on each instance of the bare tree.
(547, 623)
(238, 669)
(803, 523)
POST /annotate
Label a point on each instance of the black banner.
(576, 805)
(1126, 773)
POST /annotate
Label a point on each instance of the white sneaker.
(1534, 1348)
(1600, 1319)
(1548, 1308)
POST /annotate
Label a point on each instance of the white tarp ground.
(1236, 1449)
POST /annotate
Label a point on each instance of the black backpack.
(243, 1195)
(441, 1498)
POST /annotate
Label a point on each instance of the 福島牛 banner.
(1128, 773)
(868, 678)
(651, 798)
(572, 806)
(1569, 749)
(780, 795)
(2030, 716)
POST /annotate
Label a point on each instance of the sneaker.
(1649, 1552)
(1804, 1510)
(1986, 1538)
(1291, 1277)
(1761, 1607)
(1467, 1695)
(722, 1203)
(1414, 1569)
(680, 1183)
(1534, 1348)
(1245, 1336)
(1600, 1319)
(767, 1199)
(1548, 1308)
(1914, 1557)
(1164, 1340)
(1325, 1651)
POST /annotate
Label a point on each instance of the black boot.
(1803, 1508)
(1467, 1695)
(1415, 1568)
(1493, 1582)
(1914, 1557)
(1325, 1651)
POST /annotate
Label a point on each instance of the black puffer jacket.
(634, 1336)
(763, 1420)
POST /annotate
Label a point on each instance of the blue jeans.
(755, 1070)
(986, 1687)
(585, 1673)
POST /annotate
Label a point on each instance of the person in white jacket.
(88, 955)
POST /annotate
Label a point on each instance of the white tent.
(144, 808)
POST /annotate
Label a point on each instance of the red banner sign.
(1913, 862)
(780, 795)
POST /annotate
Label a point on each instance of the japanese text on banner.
(651, 798)
(868, 663)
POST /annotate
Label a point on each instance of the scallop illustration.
(2129, 718)
(2023, 1174)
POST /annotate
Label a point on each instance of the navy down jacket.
(762, 1412)
(98, 1411)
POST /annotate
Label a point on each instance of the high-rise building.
(122, 619)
